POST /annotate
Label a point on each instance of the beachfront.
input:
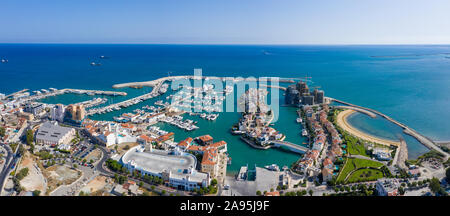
(343, 123)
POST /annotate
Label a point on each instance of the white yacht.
(273, 167)
(304, 132)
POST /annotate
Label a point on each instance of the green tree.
(22, 173)
(310, 192)
(2, 131)
(258, 193)
(435, 185)
(21, 150)
(447, 174)
(401, 190)
(214, 182)
(36, 192)
(29, 137)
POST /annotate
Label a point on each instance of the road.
(7, 166)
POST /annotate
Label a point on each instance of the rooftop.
(157, 161)
(52, 132)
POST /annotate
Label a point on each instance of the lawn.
(365, 175)
(354, 145)
(356, 149)
(355, 163)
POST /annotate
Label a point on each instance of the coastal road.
(7, 166)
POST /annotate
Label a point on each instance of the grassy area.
(355, 163)
(365, 175)
(431, 154)
(356, 148)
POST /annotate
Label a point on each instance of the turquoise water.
(409, 83)
(382, 128)
(240, 152)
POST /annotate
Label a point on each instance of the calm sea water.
(409, 83)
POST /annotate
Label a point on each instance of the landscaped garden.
(353, 167)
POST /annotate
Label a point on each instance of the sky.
(226, 21)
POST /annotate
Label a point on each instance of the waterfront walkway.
(407, 130)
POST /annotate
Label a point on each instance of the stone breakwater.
(153, 83)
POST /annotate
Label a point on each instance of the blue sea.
(409, 83)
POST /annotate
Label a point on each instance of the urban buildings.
(108, 134)
(299, 95)
(177, 170)
(57, 113)
(34, 108)
(52, 134)
(388, 187)
(75, 113)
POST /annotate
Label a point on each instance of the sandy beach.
(342, 122)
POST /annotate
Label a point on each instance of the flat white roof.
(158, 161)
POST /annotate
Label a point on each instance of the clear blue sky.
(226, 21)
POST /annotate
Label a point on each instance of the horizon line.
(234, 44)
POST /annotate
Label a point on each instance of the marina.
(117, 106)
(187, 124)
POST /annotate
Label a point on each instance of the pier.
(442, 142)
(273, 86)
(93, 92)
(163, 79)
(117, 106)
(419, 137)
(74, 91)
(15, 93)
(93, 102)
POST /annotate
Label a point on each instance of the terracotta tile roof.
(125, 125)
(273, 193)
(209, 157)
(185, 142)
(206, 138)
(146, 138)
(164, 138)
